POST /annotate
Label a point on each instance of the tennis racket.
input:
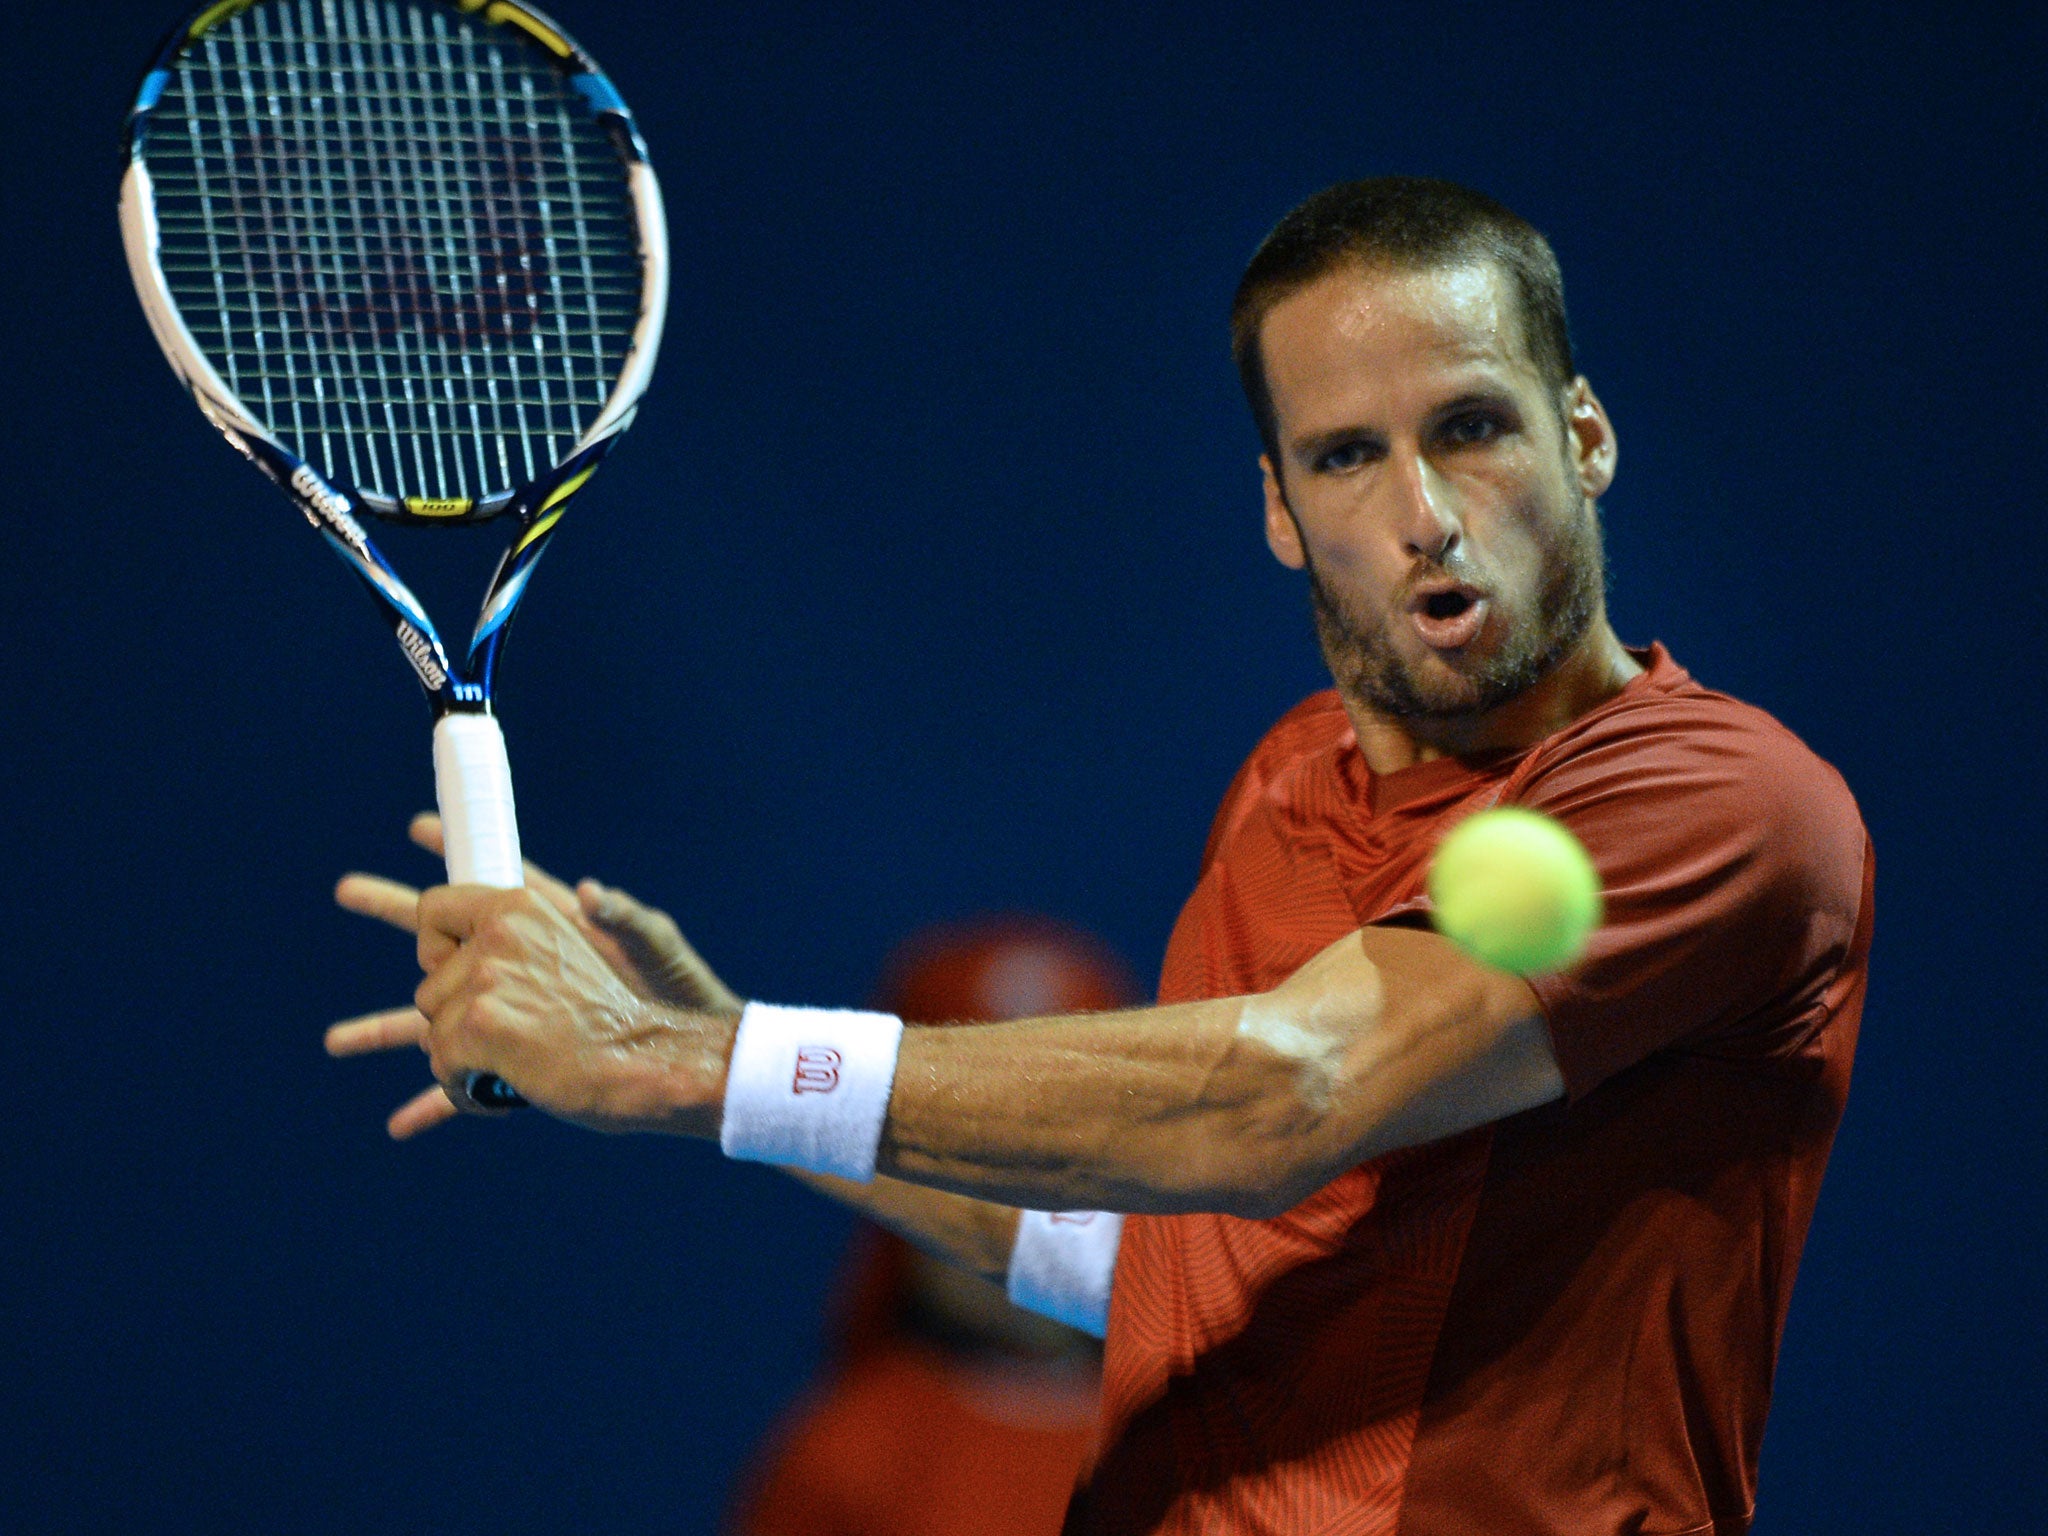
(408, 256)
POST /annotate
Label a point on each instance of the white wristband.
(1063, 1264)
(809, 1088)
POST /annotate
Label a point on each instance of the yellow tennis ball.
(1514, 888)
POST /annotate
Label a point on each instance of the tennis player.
(1402, 1244)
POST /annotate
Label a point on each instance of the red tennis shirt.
(1564, 1322)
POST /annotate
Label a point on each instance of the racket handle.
(480, 832)
(473, 782)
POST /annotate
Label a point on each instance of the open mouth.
(1448, 617)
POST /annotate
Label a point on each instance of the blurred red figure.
(944, 1410)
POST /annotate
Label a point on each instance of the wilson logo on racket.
(332, 507)
(421, 654)
(817, 1069)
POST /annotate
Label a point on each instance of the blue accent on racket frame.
(602, 95)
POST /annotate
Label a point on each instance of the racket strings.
(402, 242)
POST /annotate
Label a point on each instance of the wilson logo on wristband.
(817, 1069)
(826, 1111)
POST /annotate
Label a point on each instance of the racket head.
(408, 255)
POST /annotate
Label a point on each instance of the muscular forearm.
(1234, 1104)
(1162, 1109)
(1242, 1105)
(1200, 1106)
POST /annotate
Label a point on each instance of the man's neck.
(1595, 671)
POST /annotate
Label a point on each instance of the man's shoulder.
(1318, 723)
(1670, 768)
(1315, 730)
(1736, 871)
(1667, 722)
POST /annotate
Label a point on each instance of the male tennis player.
(1413, 1245)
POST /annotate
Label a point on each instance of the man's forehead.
(1394, 319)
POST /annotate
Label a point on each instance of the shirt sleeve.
(1731, 862)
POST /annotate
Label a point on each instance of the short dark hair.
(1404, 222)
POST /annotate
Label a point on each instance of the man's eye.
(1343, 457)
(1477, 427)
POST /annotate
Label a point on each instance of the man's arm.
(1246, 1105)
(1389, 1038)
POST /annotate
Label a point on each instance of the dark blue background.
(931, 581)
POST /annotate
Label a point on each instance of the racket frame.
(328, 504)
(472, 776)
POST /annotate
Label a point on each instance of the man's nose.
(1426, 516)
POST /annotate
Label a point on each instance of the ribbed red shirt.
(1565, 1322)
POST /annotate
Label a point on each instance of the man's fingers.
(383, 1031)
(386, 900)
(455, 910)
(650, 933)
(443, 980)
(422, 1112)
(655, 947)
(433, 949)
(634, 929)
(452, 915)
(425, 830)
(600, 903)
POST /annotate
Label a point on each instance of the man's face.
(1438, 491)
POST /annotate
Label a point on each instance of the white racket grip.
(473, 782)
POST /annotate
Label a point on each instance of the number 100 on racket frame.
(409, 257)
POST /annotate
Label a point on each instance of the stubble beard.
(1360, 652)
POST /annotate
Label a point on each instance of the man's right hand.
(640, 943)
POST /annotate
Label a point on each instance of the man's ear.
(1282, 536)
(1593, 448)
